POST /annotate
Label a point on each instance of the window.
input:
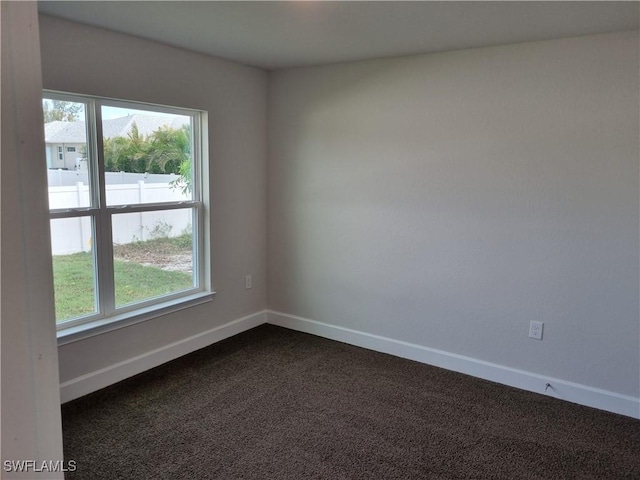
(128, 219)
(71, 149)
(60, 154)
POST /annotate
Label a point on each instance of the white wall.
(448, 199)
(124, 67)
(31, 428)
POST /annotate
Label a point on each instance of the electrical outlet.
(247, 282)
(535, 330)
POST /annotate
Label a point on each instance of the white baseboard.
(90, 382)
(562, 389)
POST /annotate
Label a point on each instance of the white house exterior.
(65, 144)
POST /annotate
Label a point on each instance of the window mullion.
(104, 245)
(71, 212)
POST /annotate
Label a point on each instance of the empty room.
(320, 240)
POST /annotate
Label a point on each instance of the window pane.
(73, 267)
(147, 156)
(65, 133)
(153, 254)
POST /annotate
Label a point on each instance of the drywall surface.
(86, 60)
(31, 423)
(449, 199)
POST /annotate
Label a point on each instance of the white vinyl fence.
(73, 235)
(61, 178)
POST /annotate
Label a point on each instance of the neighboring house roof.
(65, 132)
(76, 132)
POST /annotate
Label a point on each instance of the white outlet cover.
(535, 330)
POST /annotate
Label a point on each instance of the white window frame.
(71, 149)
(108, 317)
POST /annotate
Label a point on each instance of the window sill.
(97, 327)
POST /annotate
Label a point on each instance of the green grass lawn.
(74, 284)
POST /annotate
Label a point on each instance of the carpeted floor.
(272, 403)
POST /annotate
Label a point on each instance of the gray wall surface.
(86, 60)
(449, 199)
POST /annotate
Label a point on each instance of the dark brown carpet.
(272, 403)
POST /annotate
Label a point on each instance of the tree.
(117, 154)
(59, 110)
(166, 150)
(126, 154)
(184, 181)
